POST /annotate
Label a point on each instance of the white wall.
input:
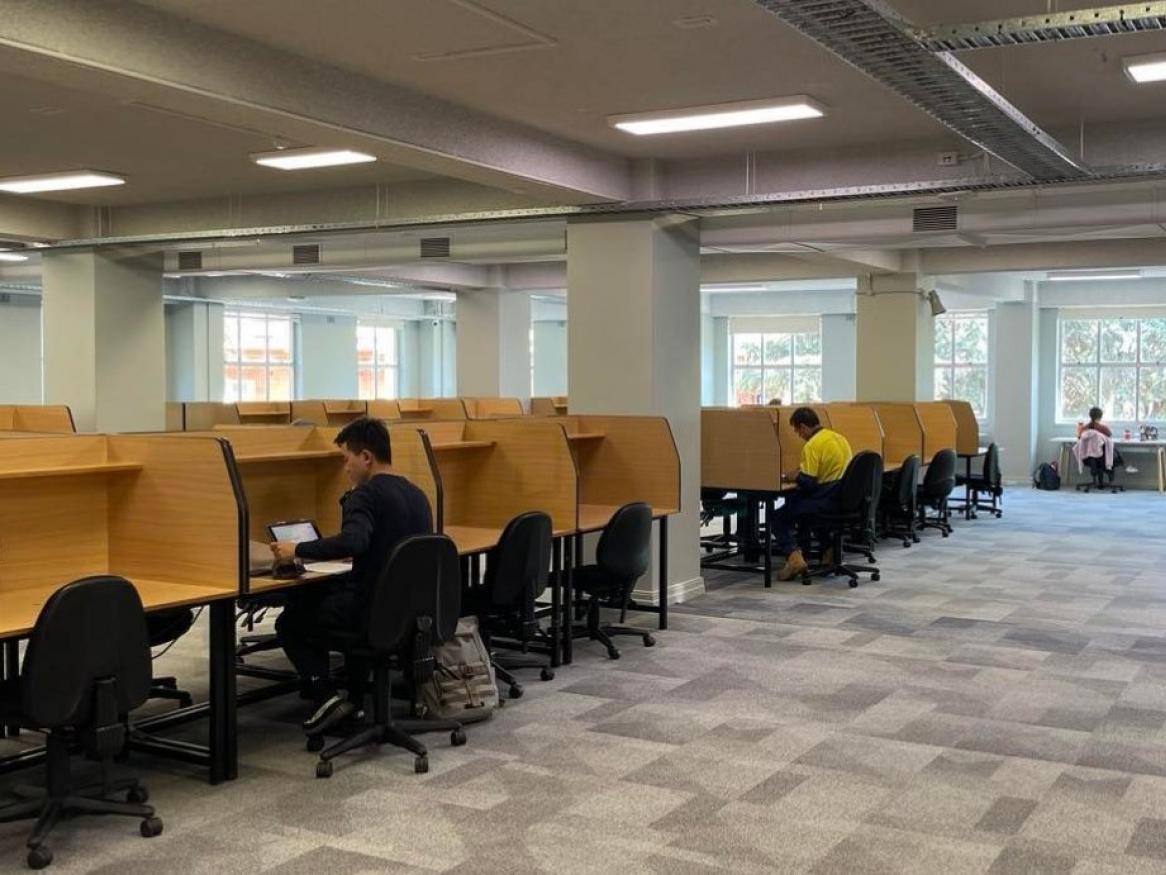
(328, 356)
(20, 350)
(550, 358)
(839, 357)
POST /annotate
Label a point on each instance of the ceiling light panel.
(720, 115)
(67, 181)
(310, 158)
(1146, 68)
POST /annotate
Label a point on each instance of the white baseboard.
(678, 591)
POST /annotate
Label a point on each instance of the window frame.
(791, 367)
(394, 367)
(1099, 367)
(952, 317)
(294, 363)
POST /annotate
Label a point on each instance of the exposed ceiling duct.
(1050, 27)
(870, 36)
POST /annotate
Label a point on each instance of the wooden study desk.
(1158, 448)
(328, 412)
(37, 418)
(428, 409)
(939, 427)
(493, 408)
(126, 505)
(200, 415)
(902, 433)
(555, 405)
(861, 427)
(384, 408)
(264, 412)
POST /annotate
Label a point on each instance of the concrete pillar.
(895, 339)
(1015, 414)
(839, 357)
(721, 353)
(633, 288)
(493, 344)
(20, 349)
(105, 339)
(194, 351)
(328, 356)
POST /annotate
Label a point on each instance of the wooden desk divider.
(264, 412)
(967, 436)
(739, 449)
(175, 416)
(415, 409)
(493, 408)
(206, 415)
(327, 412)
(791, 444)
(384, 408)
(860, 426)
(939, 428)
(555, 405)
(73, 506)
(902, 433)
(37, 418)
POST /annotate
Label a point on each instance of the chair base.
(837, 567)
(603, 634)
(167, 688)
(506, 663)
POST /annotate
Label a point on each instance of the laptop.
(298, 531)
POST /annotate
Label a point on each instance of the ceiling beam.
(1074, 255)
(187, 68)
(1048, 27)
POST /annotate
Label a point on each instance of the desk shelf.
(586, 436)
(461, 445)
(72, 470)
(294, 455)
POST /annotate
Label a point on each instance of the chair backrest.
(908, 482)
(939, 480)
(992, 466)
(421, 579)
(88, 631)
(625, 547)
(517, 569)
(861, 483)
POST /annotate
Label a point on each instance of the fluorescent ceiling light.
(58, 182)
(1146, 68)
(305, 159)
(12, 256)
(719, 115)
(1083, 275)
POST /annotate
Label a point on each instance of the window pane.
(230, 384)
(280, 383)
(253, 338)
(1152, 393)
(776, 385)
(971, 340)
(971, 385)
(807, 385)
(1154, 341)
(365, 336)
(747, 349)
(279, 340)
(1119, 340)
(1118, 388)
(387, 383)
(1078, 392)
(253, 383)
(1079, 341)
(386, 347)
(364, 382)
(808, 349)
(943, 348)
(231, 338)
(778, 348)
(747, 385)
(943, 384)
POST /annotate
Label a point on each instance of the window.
(961, 359)
(1116, 364)
(259, 362)
(786, 366)
(377, 361)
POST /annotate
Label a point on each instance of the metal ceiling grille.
(306, 253)
(870, 36)
(1055, 26)
(935, 218)
(435, 247)
(189, 260)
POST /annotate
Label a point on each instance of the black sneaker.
(333, 711)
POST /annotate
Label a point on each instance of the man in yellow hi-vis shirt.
(825, 456)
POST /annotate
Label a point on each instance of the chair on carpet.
(897, 503)
(937, 486)
(850, 527)
(987, 483)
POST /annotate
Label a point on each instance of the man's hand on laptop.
(284, 551)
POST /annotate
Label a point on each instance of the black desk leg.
(578, 550)
(476, 570)
(557, 603)
(768, 560)
(663, 580)
(11, 671)
(569, 603)
(224, 753)
(967, 487)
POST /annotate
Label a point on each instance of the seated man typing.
(825, 456)
(381, 510)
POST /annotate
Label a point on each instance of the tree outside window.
(378, 364)
(1116, 364)
(777, 365)
(961, 360)
(259, 362)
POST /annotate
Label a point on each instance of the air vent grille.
(935, 218)
(306, 253)
(435, 247)
(190, 260)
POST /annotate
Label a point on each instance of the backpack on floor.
(463, 686)
(1047, 477)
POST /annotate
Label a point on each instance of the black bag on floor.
(1046, 477)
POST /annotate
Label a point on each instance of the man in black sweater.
(381, 510)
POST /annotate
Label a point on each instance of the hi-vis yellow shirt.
(825, 456)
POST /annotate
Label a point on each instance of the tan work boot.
(795, 566)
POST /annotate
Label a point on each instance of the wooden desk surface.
(263, 583)
(472, 539)
(595, 517)
(19, 608)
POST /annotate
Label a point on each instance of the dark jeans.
(311, 613)
(799, 504)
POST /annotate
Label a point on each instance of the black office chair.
(86, 667)
(897, 503)
(414, 606)
(621, 558)
(1097, 477)
(937, 486)
(850, 527)
(162, 628)
(987, 483)
(717, 504)
(516, 575)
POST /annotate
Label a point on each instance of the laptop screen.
(295, 531)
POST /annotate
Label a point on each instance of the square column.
(1015, 417)
(493, 344)
(894, 339)
(633, 291)
(105, 339)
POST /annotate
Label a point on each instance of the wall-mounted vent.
(306, 253)
(190, 260)
(435, 247)
(935, 218)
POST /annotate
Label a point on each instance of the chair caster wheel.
(150, 827)
(138, 795)
(324, 769)
(421, 765)
(516, 691)
(40, 857)
(853, 584)
(457, 738)
(546, 674)
(806, 581)
(185, 702)
(613, 653)
(649, 641)
(315, 743)
(875, 577)
(945, 534)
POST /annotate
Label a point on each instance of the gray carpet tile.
(996, 703)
